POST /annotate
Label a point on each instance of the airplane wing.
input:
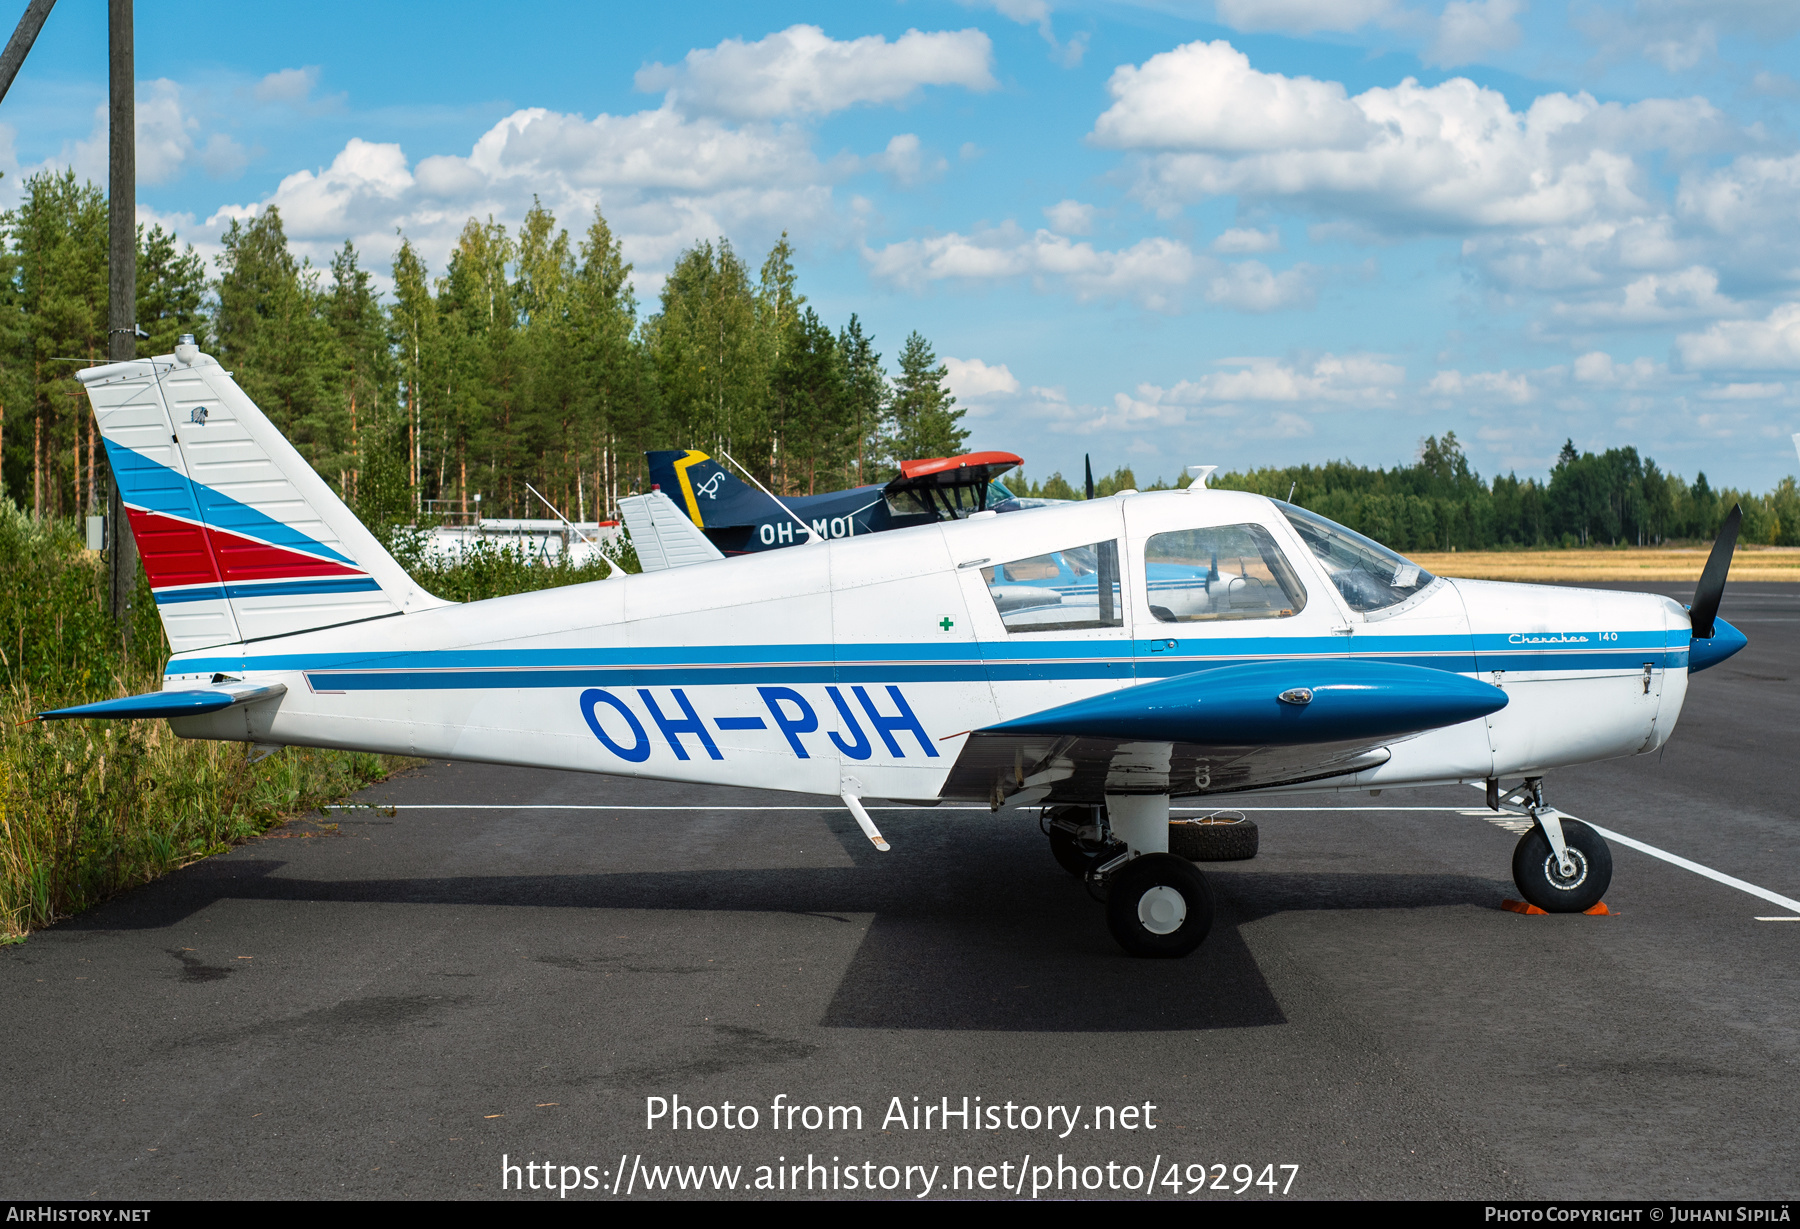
(663, 535)
(1221, 730)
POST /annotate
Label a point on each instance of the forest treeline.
(1439, 502)
(528, 360)
(525, 361)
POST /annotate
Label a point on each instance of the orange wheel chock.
(1519, 906)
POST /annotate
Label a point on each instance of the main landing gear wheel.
(1158, 905)
(1542, 882)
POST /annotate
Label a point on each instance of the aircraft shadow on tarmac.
(948, 948)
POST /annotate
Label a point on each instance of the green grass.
(89, 809)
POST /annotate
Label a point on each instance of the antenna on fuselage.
(1088, 464)
(766, 491)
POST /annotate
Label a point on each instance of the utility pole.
(121, 271)
(121, 257)
(20, 43)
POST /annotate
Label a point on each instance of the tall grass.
(89, 809)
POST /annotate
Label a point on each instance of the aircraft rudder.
(240, 538)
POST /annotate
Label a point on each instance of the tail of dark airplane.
(708, 492)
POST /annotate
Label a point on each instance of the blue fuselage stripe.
(925, 662)
(276, 588)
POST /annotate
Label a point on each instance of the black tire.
(1535, 873)
(1225, 837)
(1138, 906)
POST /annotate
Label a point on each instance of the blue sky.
(1235, 232)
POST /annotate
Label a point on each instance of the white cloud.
(1772, 344)
(1508, 386)
(1260, 395)
(1656, 298)
(907, 162)
(1597, 369)
(1240, 239)
(1250, 286)
(1330, 382)
(165, 132)
(970, 379)
(1452, 157)
(291, 85)
(801, 71)
(1151, 271)
(1037, 13)
(1473, 29)
(1303, 16)
(1154, 272)
(1205, 96)
(1070, 217)
(1743, 392)
(664, 181)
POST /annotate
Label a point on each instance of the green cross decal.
(945, 623)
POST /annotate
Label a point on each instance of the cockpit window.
(1062, 591)
(1225, 572)
(1368, 574)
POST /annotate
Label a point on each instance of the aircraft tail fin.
(711, 495)
(663, 535)
(240, 538)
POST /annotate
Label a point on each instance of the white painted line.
(1778, 919)
(586, 806)
(1709, 872)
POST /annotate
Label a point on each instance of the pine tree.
(418, 345)
(270, 330)
(865, 395)
(619, 417)
(923, 420)
(57, 233)
(711, 373)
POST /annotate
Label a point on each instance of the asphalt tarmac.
(407, 1003)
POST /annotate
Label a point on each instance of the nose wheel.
(1572, 884)
(1561, 865)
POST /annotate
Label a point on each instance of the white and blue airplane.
(1100, 658)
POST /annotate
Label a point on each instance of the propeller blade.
(1088, 462)
(1711, 588)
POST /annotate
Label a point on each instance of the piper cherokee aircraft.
(741, 519)
(1092, 660)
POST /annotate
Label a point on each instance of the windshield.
(1368, 574)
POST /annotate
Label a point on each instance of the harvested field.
(1765, 563)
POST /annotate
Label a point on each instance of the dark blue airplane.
(740, 519)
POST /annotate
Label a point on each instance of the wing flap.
(1023, 770)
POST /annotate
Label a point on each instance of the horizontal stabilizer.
(189, 703)
(662, 534)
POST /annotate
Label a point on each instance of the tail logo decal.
(199, 545)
